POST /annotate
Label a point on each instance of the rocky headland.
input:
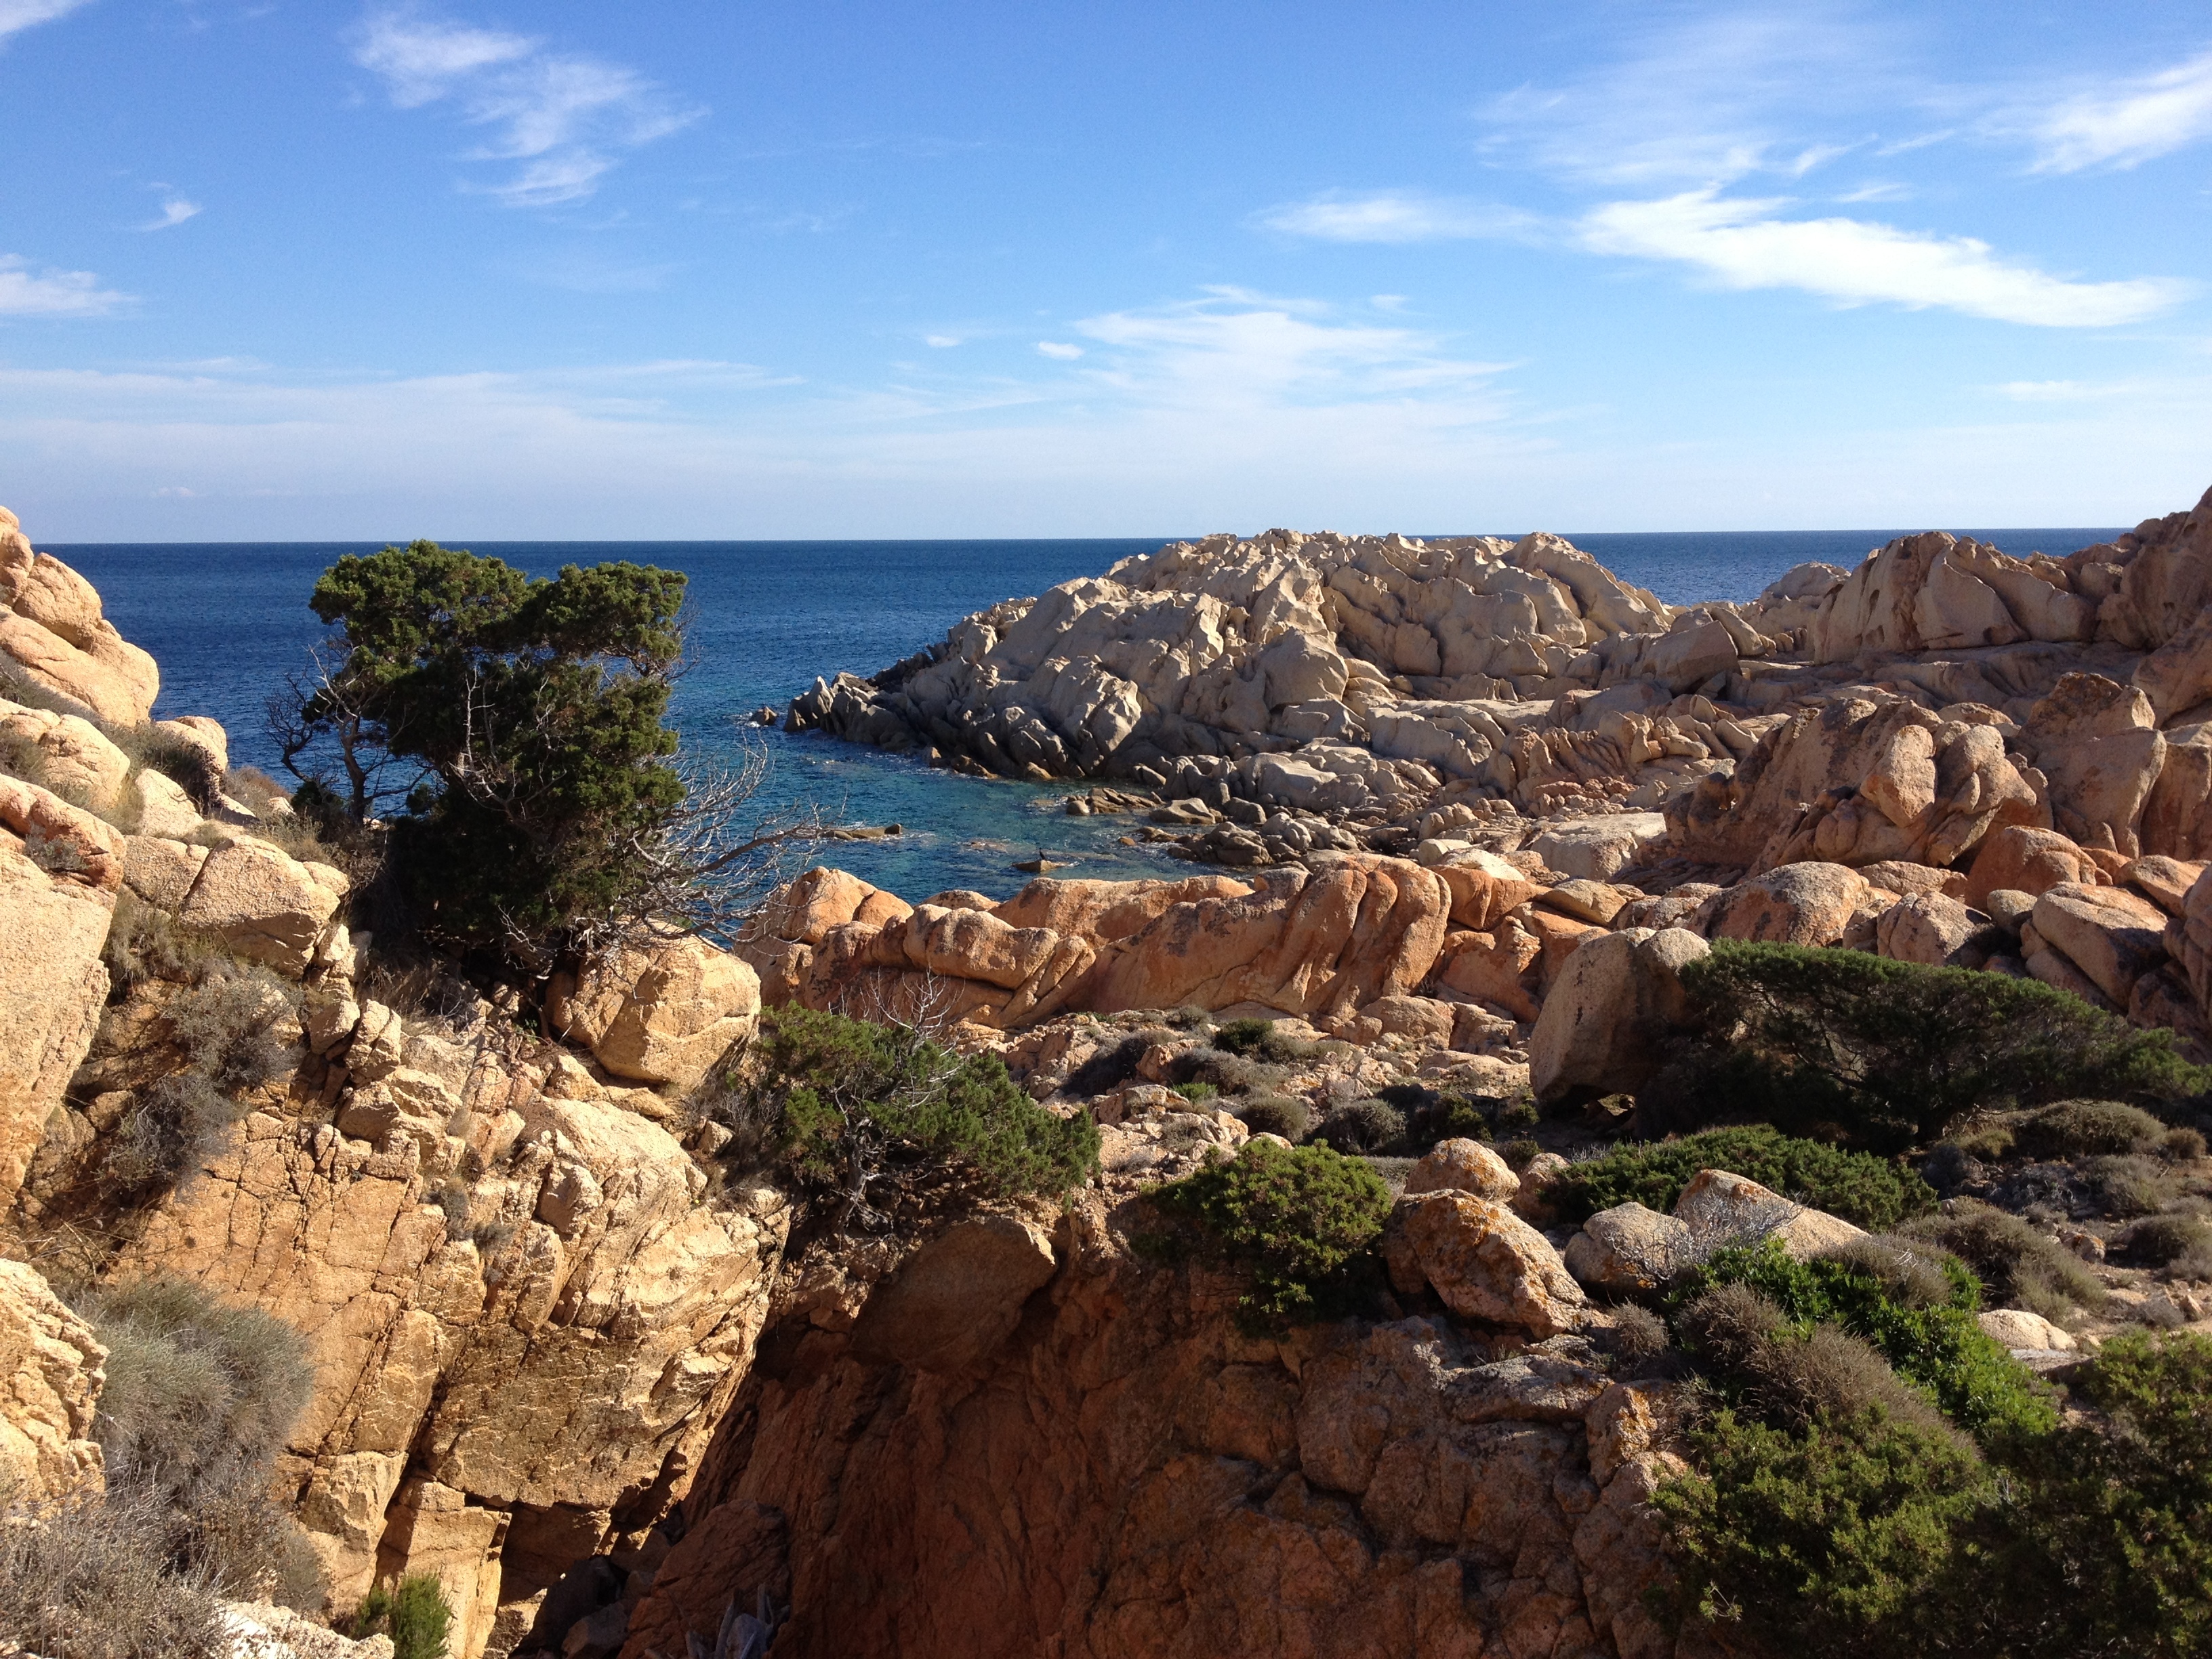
(1477, 808)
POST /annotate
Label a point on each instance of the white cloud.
(54, 293)
(1740, 244)
(174, 211)
(1232, 407)
(1395, 216)
(1721, 97)
(19, 14)
(942, 341)
(2126, 125)
(1059, 349)
(564, 118)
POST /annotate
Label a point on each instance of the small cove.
(227, 621)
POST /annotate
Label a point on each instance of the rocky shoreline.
(602, 1383)
(1939, 725)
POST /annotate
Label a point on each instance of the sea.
(228, 621)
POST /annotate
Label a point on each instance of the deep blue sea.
(227, 620)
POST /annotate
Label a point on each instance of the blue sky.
(279, 270)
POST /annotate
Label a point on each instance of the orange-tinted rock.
(2113, 936)
(1485, 889)
(1484, 1261)
(1103, 911)
(53, 633)
(1810, 904)
(2026, 861)
(1462, 1166)
(1497, 968)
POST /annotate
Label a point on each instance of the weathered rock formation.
(1858, 757)
(1356, 676)
(53, 635)
(49, 1383)
(1122, 1472)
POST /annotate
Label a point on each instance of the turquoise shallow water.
(227, 620)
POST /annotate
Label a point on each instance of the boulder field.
(1477, 804)
(1947, 755)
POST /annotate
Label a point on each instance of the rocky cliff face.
(1116, 1470)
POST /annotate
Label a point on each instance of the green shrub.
(1276, 1114)
(1196, 1092)
(1940, 1348)
(2078, 1128)
(2104, 1543)
(1258, 1040)
(2018, 1266)
(1301, 1224)
(1870, 1191)
(412, 1612)
(1242, 1037)
(1365, 1126)
(1453, 1117)
(857, 1103)
(1793, 1373)
(2182, 1144)
(1889, 1055)
(1868, 1535)
(1520, 1154)
(1837, 1540)
(1230, 1073)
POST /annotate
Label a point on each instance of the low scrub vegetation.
(1856, 1529)
(1917, 1311)
(1372, 1126)
(2017, 1265)
(1300, 1223)
(228, 1027)
(411, 1611)
(853, 1109)
(1276, 1114)
(199, 1396)
(1885, 1055)
(1873, 1192)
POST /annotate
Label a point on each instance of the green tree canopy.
(524, 718)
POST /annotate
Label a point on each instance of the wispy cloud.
(564, 119)
(2126, 125)
(174, 211)
(1396, 216)
(1059, 349)
(16, 15)
(1714, 100)
(1234, 346)
(1227, 407)
(26, 293)
(1741, 244)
